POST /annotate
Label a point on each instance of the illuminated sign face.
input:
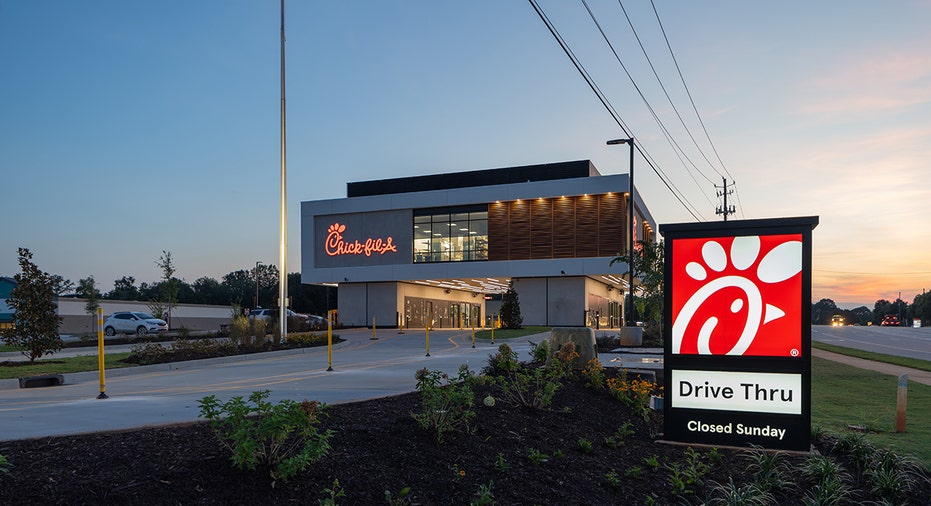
(737, 295)
(335, 245)
(738, 334)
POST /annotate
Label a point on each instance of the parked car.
(890, 320)
(265, 314)
(317, 322)
(133, 322)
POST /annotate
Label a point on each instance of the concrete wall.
(562, 301)
(358, 302)
(191, 316)
(567, 301)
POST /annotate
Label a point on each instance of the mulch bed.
(379, 447)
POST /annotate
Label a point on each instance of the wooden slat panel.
(519, 230)
(541, 228)
(498, 231)
(586, 230)
(564, 227)
(611, 224)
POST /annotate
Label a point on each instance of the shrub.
(305, 339)
(540, 352)
(730, 493)
(892, 477)
(448, 407)
(634, 393)
(147, 353)
(594, 374)
(281, 439)
(5, 464)
(770, 471)
(503, 362)
(257, 332)
(531, 387)
(203, 347)
(240, 329)
(484, 495)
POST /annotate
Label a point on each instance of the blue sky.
(129, 128)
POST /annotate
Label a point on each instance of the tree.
(61, 286)
(124, 289)
(168, 296)
(87, 289)
(883, 307)
(241, 286)
(510, 308)
(921, 308)
(35, 318)
(822, 311)
(207, 290)
(861, 315)
(649, 265)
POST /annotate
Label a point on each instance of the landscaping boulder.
(582, 337)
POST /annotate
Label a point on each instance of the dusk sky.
(129, 128)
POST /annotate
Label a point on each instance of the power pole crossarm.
(725, 209)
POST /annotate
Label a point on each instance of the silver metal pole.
(283, 245)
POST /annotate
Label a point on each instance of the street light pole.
(628, 316)
(256, 274)
(283, 228)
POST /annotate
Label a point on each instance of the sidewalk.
(916, 375)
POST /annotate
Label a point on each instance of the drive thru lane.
(156, 395)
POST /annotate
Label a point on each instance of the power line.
(668, 98)
(646, 102)
(688, 92)
(604, 101)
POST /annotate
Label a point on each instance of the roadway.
(901, 341)
(168, 393)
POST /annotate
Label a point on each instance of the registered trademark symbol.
(794, 352)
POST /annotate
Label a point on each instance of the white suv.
(132, 322)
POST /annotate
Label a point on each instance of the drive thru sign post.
(738, 333)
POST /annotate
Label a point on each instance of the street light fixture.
(628, 316)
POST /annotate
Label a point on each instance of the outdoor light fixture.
(630, 227)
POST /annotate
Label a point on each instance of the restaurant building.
(431, 249)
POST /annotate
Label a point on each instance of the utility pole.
(725, 209)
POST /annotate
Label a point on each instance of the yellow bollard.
(329, 340)
(373, 338)
(428, 340)
(100, 361)
(473, 334)
(492, 335)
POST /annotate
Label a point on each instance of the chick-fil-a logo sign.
(737, 296)
(335, 245)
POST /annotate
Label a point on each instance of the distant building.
(429, 250)
(6, 312)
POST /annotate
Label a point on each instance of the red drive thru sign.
(738, 333)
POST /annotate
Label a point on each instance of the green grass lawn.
(914, 363)
(842, 395)
(64, 365)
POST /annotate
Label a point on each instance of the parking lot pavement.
(166, 394)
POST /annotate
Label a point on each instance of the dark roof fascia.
(469, 179)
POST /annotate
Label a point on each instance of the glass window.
(444, 235)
